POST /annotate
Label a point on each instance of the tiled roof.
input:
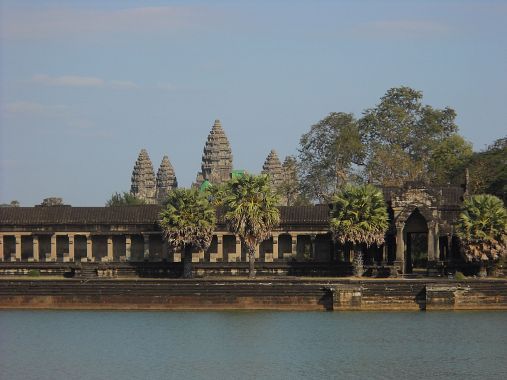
(143, 214)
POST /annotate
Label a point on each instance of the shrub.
(459, 276)
(34, 273)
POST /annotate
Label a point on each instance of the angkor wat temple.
(127, 239)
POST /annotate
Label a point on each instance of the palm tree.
(482, 228)
(359, 217)
(188, 221)
(250, 211)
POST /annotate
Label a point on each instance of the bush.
(459, 276)
(34, 273)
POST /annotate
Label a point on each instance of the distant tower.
(216, 164)
(143, 178)
(273, 168)
(166, 179)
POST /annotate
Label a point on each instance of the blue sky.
(85, 85)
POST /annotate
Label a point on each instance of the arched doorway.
(415, 233)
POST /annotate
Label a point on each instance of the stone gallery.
(127, 238)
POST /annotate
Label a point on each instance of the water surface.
(252, 345)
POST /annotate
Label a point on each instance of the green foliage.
(188, 219)
(250, 211)
(34, 273)
(359, 216)
(124, 199)
(488, 170)
(482, 227)
(327, 155)
(11, 204)
(459, 276)
(448, 158)
(289, 190)
(400, 135)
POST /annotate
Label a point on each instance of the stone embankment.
(269, 294)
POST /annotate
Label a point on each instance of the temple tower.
(143, 178)
(166, 179)
(273, 168)
(216, 164)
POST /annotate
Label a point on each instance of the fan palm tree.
(250, 211)
(482, 228)
(359, 217)
(188, 221)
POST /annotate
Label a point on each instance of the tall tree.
(359, 217)
(188, 221)
(401, 124)
(447, 160)
(124, 199)
(482, 227)
(488, 170)
(250, 212)
(327, 155)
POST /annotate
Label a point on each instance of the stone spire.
(216, 164)
(143, 178)
(166, 179)
(273, 168)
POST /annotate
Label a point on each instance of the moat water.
(252, 345)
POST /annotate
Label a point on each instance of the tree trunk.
(187, 261)
(251, 259)
(358, 261)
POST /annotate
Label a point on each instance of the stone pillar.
(220, 247)
(18, 247)
(53, 247)
(437, 243)
(2, 248)
(110, 248)
(312, 245)
(385, 253)
(146, 247)
(275, 246)
(36, 253)
(128, 247)
(448, 247)
(165, 249)
(238, 249)
(89, 248)
(431, 243)
(257, 251)
(294, 245)
(71, 247)
(400, 244)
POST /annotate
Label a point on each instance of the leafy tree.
(448, 158)
(11, 204)
(124, 199)
(359, 217)
(289, 190)
(250, 211)
(188, 221)
(400, 124)
(482, 227)
(327, 155)
(488, 170)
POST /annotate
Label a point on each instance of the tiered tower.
(216, 166)
(166, 179)
(273, 168)
(143, 178)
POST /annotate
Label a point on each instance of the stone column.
(294, 244)
(128, 247)
(437, 243)
(385, 253)
(220, 247)
(312, 245)
(165, 249)
(89, 248)
(18, 247)
(146, 247)
(257, 251)
(2, 248)
(431, 243)
(275, 246)
(71, 247)
(110, 248)
(400, 244)
(238, 249)
(53, 247)
(35, 243)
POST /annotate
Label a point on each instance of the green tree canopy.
(250, 211)
(447, 160)
(400, 124)
(482, 227)
(327, 155)
(188, 221)
(124, 199)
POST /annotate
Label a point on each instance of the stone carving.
(166, 179)
(216, 164)
(273, 168)
(143, 178)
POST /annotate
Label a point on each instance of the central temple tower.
(216, 166)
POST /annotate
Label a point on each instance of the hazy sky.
(85, 85)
